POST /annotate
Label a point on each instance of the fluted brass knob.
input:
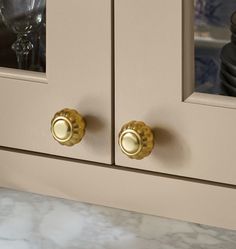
(136, 140)
(68, 127)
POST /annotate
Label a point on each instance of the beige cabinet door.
(78, 76)
(194, 134)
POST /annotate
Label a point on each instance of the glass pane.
(23, 34)
(215, 46)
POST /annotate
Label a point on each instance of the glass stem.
(22, 46)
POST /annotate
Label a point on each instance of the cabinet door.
(78, 76)
(194, 131)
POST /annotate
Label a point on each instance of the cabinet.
(194, 131)
(117, 61)
(78, 76)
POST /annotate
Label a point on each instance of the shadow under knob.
(68, 127)
(136, 140)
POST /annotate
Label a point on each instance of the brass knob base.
(68, 127)
(136, 140)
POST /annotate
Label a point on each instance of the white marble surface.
(29, 221)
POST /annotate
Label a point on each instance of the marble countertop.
(30, 221)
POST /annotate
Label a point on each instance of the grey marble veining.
(29, 221)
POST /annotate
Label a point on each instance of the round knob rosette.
(68, 127)
(136, 140)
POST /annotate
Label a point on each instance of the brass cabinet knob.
(68, 127)
(136, 140)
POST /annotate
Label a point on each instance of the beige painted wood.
(196, 202)
(193, 140)
(78, 76)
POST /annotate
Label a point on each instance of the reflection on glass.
(22, 34)
(215, 46)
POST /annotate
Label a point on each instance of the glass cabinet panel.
(23, 34)
(215, 46)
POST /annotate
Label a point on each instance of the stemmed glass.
(23, 17)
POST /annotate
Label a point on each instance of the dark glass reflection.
(215, 51)
(23, 34)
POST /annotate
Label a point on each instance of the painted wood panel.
(78, 76)
(193, 140)
(152, 194)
